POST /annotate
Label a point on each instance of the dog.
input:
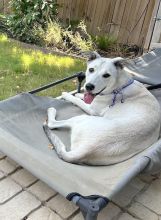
(122, 117)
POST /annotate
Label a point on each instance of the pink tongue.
(88, 97)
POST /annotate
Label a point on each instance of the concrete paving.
(24, 197)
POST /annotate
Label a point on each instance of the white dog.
(123, 117)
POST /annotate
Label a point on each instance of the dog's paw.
(79, 95)
(51, 117)
(51, 112)
(66, 96)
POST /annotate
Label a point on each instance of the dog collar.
(115, 92)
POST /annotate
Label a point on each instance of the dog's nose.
(89, 87)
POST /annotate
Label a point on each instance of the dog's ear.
(119, 62)
(91, 55)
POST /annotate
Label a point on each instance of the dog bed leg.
(90, 206)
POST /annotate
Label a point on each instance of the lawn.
(24, 69)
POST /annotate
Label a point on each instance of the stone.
(109, 212)
(8, 188)
(2, 156)
(7, 167)
(126, 216)
(44, 214)
(126, 195)
(141, 212)
(12, 162)
(79, 216)
(62, 206)
(24, 178)
(151, 198)
(147, 178)
(19, 207)
(42, 191)
(2, 175)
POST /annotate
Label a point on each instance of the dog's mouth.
(89, 97)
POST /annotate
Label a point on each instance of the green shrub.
(81, 44)
(3, 26)
(29, 15)
(53, 34)
(105, 42)
(80, 39)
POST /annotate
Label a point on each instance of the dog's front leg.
(78, 102)
(79, 95)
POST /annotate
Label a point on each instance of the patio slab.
(33, 199)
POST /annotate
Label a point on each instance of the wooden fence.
(4, 6)
(127, 20)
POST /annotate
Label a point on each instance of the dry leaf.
(50, 146)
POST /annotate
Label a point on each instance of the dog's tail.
(53, 139)
(139, 77)
(68, 156)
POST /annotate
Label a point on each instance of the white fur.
(109, 135)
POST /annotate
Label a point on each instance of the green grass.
(24, 69)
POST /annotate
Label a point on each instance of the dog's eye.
(106, 75)
(91, 70)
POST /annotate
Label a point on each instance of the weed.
(53, 34)
(105, 42)
(80, 44)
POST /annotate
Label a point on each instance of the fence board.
(97, 17)
(157, 28)
(136, 31)
(116, 17)
(108, 19)
(124, 30)
(4, 6)
(1, 6)
(147, 19)
(75, 9)
(61, 6)
(151, 26)
(94, 28)
(132, 21)
(82, 9)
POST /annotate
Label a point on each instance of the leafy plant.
(3, 26)
(81, 44)
(53, 35)
(105, 42)
(74, 23)
(28, 15)
(80, 39)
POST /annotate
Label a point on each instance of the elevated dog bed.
(91, 187)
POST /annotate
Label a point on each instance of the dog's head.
(101, 73)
